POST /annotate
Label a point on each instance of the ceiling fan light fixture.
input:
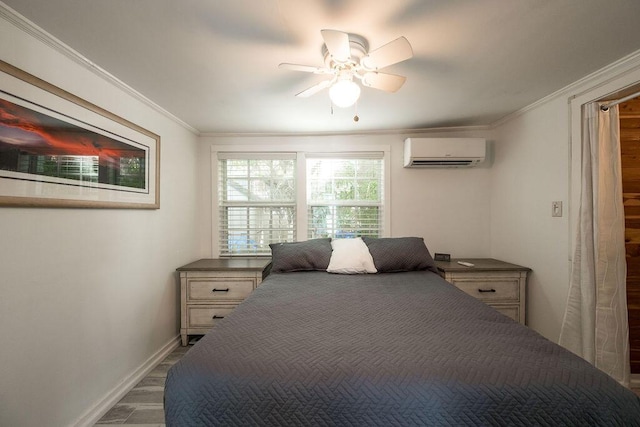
(344, 93)
(347, 56)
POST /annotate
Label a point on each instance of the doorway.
(629, 113)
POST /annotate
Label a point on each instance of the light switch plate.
(556, 209)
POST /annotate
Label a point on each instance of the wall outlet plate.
(441, 257)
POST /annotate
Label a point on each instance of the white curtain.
(595, 324)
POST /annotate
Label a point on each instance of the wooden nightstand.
(497, 283)
(211, 288)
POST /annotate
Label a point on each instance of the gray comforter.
(316, 349)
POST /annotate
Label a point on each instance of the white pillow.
(350, 256)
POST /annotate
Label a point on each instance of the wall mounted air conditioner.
(443, 152)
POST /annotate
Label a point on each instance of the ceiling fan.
(346, 58)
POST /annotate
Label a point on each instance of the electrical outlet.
(556, 209)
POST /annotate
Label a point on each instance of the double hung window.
(265, 198)
(344, 195)
(257, 201)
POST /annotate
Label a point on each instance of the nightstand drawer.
(202, 316)
(497, 283)
(512, 311)
(490, 290)
(223, 289)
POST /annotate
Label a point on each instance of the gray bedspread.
(397, 349)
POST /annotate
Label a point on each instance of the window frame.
(359, 203)
(250, 205)
(301, 152)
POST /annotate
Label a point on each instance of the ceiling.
(214, 63)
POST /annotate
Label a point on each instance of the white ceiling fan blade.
(393, 52)
(305, 68)
(337, 44)
(315, 88)
(383, 81)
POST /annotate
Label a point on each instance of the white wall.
(88, 296)
(530, 171)
(450, 208)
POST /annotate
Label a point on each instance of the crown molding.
(592, 81)
(352, 133)
(49, 40)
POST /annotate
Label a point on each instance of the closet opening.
(629, 117)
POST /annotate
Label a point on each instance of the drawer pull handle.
(217, 317)
(219, 290)
(486, 290)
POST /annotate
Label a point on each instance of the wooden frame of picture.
(58, 150)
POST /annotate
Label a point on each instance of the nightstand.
(499, 284)
(211, 288)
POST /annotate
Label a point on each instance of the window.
(265, 198)
(344, 196)
(256, 195)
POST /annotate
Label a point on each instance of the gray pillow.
(310, 255)
(395, 254)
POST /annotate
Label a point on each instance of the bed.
(398, 347)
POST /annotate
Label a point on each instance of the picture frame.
(59, 150)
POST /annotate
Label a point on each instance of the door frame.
(624, 83)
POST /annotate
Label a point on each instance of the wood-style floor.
(142, 406)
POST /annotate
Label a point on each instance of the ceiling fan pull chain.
(356, 118)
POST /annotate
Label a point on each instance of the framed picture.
(58, 150)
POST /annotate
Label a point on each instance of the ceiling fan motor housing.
(359, 48)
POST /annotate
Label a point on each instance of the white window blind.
(345, 195)
(257, 201)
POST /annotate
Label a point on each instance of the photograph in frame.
(57, 150)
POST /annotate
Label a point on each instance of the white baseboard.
(102, 406)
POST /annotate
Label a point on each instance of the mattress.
(321, 349)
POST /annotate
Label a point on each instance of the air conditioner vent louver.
(443, 152)
(442, 162)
